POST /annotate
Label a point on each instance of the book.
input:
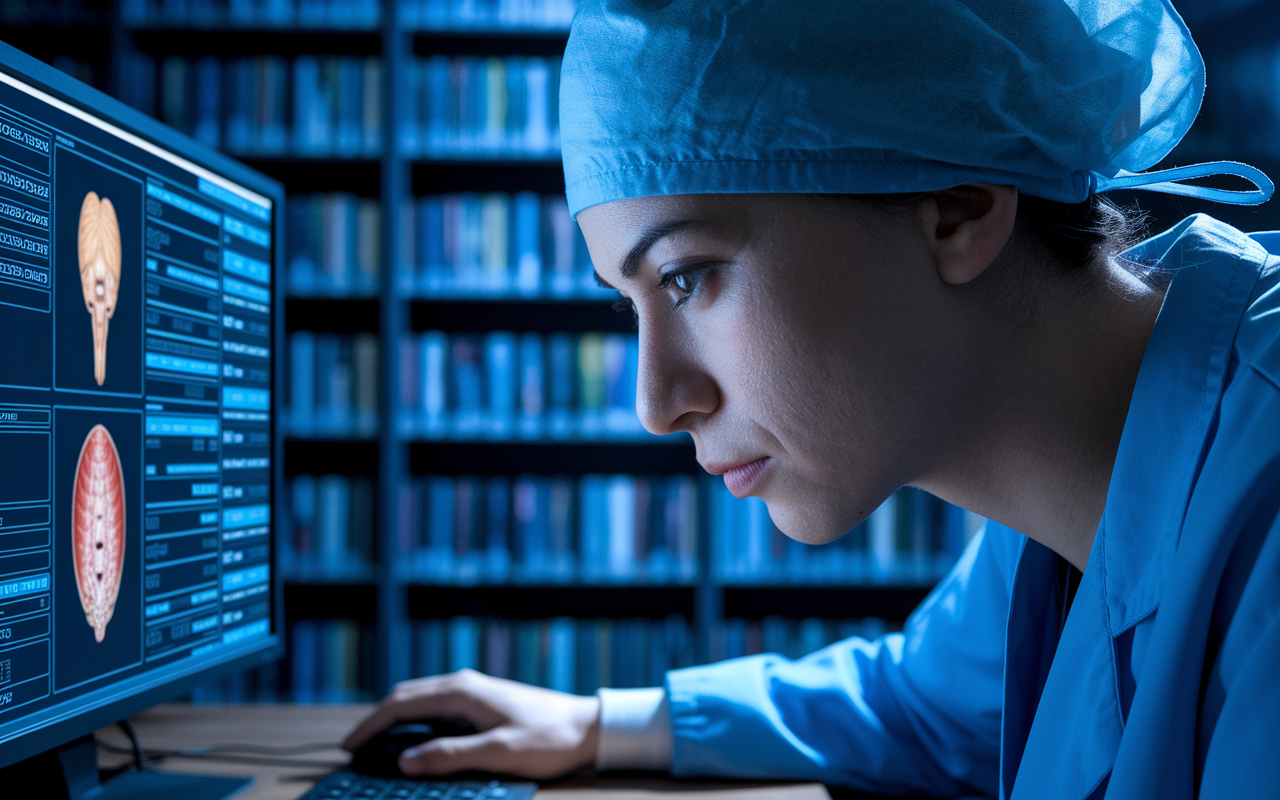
(300, 391)
(500, 374)
(365, 361)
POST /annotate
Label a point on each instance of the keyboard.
(347, 785)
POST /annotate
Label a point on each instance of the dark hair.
(1077, 234)
(1072, 235)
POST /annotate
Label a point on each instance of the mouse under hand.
(380, 756)
(520, 730)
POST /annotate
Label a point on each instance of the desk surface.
(177, 727)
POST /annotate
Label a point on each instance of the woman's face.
(807, 345)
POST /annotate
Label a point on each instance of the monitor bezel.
(67, 89)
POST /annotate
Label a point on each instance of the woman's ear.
(967, 226)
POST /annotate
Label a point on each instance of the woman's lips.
(740, 480)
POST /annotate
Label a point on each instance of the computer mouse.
(379, 757)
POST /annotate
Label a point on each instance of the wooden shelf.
(551, 458)
(475, 174)
(341, 456)
(520, 42)
(360, 176)
(541, 316)
(331, 601)
(339, 314)
(541, 602)
(893, 603)
(232, 40)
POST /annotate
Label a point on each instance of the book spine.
(500, 369)
(435, 389)
(368, 247)
(302, 383)
(365, 357)
(305, 666)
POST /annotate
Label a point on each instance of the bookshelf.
(438, 513)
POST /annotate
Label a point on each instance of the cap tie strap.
(1164, 181)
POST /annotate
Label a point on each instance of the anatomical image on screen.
(97, 543)
(97, 276)
(97, 528)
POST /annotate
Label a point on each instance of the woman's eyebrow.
(631, 264)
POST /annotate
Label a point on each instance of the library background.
(467, 482)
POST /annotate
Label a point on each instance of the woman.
(866, 249)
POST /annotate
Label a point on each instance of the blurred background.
(467, 482)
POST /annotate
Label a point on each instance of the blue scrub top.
(1164, 682)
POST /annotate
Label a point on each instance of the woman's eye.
(685, 283)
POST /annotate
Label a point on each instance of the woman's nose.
(674, 390)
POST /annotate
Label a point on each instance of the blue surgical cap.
(1061, 98)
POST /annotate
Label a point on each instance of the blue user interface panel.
(135, 429)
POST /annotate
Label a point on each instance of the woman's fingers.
(482, 751)
(507, 749)
(524, 730)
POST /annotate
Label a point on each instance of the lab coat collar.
(1062, 724)
(1062, 698)
(1172, 410)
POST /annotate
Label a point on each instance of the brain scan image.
(99, 250)
(97, 525)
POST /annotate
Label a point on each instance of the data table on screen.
(136, 295)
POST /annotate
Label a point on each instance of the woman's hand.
(524, 730)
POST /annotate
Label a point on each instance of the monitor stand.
(71, 772)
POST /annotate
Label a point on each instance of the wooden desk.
(177, 727)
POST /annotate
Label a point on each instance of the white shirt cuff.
(635, 729)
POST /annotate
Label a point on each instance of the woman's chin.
(807, 524)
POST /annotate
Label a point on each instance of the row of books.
(468, 106)
(494, 245)
(504, 386)
(332, 386)
(604, 529)
(582, 655)
(445, 15)
(530, 529)
(342, 14)
(329, 534)
(793, 638)
(333, 245)
(460, 246)
(486, 15)
(569, 655)
(258, 685)
(912, 538)
(328, 106)
(329, 661)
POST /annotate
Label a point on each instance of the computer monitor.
(140, 326)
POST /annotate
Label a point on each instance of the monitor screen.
(136, 437)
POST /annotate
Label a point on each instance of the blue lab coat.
(1165, 679)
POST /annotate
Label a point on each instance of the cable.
(265, 750)
(264, 755)
(138, 760)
